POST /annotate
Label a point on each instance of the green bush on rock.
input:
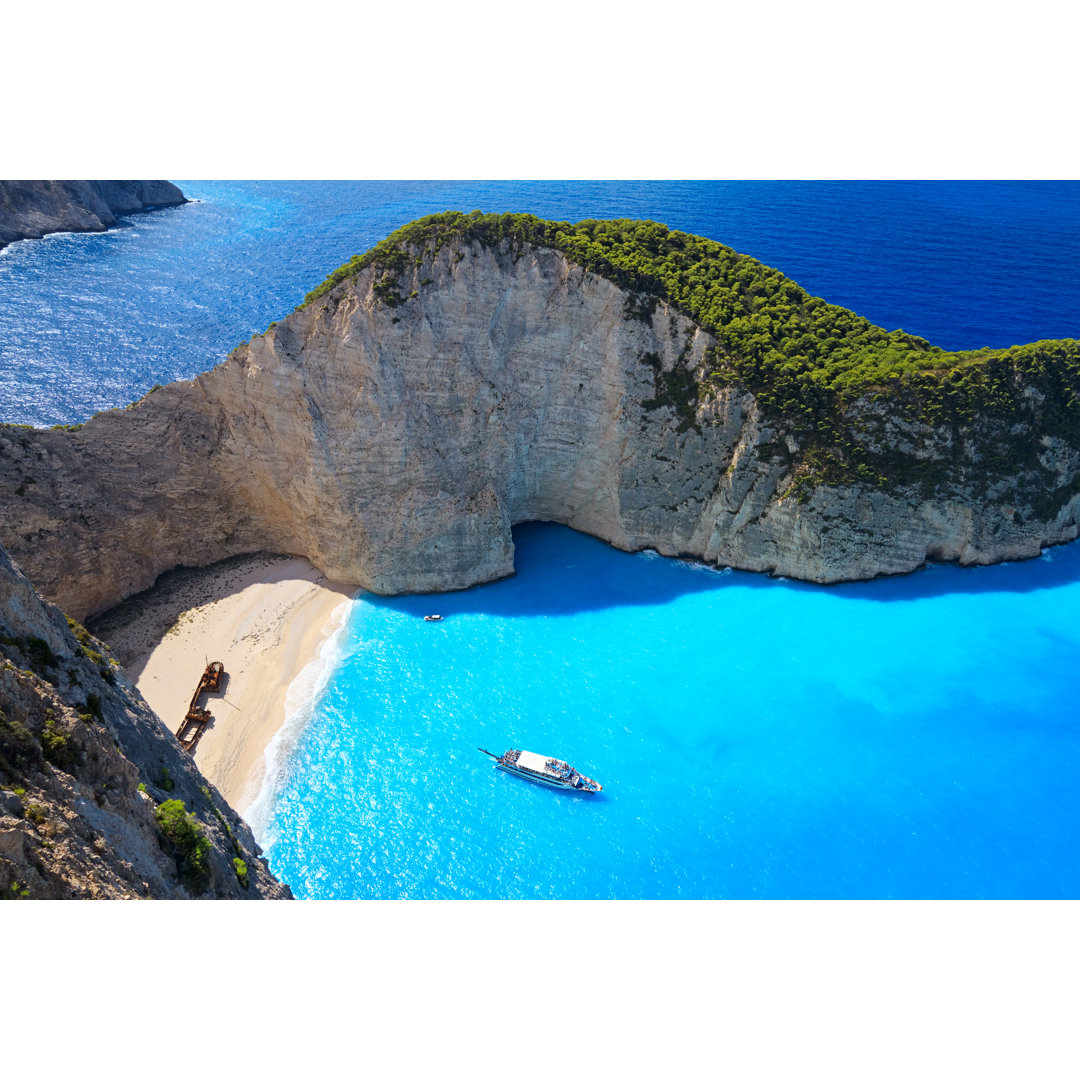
(58, 748)
(187, 843)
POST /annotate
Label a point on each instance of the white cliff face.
(395, 446)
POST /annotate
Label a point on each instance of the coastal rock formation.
(97, 800)
(31, 208)
(394, 429)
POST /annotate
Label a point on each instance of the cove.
(756, 738)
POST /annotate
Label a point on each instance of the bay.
(913, 737)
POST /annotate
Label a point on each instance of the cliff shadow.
(558, 571)
(136, 625)
(561, 572)
(1054, 568)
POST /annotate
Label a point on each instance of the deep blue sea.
(914, 737)
(92, 321)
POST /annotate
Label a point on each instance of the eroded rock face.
(393, 438)
(83, 765)
(29, 209)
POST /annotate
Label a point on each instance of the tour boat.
(542, 770)
(432, 618)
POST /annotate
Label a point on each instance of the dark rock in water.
(29, 209)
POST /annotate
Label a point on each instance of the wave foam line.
(300, 700)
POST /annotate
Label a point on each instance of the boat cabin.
(537, 763)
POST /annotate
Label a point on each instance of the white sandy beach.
(265, 617)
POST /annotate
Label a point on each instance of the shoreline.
(266, 617)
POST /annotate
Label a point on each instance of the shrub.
(86, 640)
(186, 842)
(18, 747)
(58, 748)
(37, 651)
(241, 871)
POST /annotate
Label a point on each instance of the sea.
(912, 737)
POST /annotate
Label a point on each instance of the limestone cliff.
(393, 429)
(29, 209)
(89, 775)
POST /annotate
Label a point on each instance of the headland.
(31, 209)
(650, 388)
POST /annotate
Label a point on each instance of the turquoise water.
(911, 738)
(914, 737)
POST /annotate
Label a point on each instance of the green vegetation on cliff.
(185, 841)
(805, 360)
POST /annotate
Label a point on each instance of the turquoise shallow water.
(914, 737)
(755, 738)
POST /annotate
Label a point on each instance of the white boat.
(549, 771)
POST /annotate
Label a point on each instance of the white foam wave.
(300, 699)
(703, 568)
(690, 564)
(71, 236)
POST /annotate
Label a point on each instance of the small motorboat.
(432, 618)
(549, 771)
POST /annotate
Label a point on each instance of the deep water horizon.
(91, 321)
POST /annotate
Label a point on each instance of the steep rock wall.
(83, 765)
(29, 209)
(393, 431)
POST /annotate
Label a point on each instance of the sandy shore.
(264, 616)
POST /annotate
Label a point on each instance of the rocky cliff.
(394, 429)
(31, 208)
(97, 800)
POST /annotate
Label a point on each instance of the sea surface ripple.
(906, 738)
(92, 321)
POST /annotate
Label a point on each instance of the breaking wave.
(300, 701)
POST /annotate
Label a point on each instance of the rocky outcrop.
(97, 800)
(29, 209)
(393, 435)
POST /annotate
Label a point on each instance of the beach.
(265, 617)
